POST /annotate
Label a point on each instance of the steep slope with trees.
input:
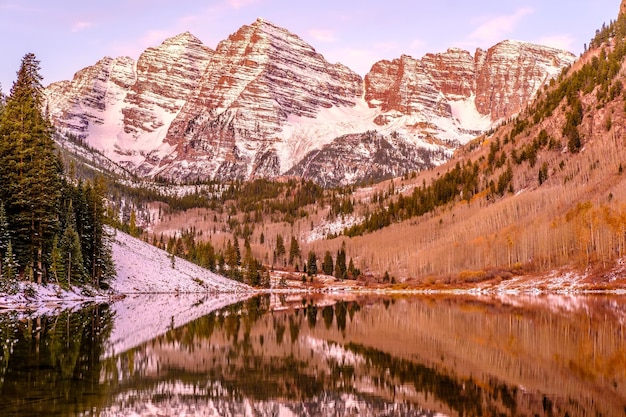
(544, 191)
(51, 227)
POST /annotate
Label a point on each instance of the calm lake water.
(319, 356)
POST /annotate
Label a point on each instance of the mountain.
(541, 197)
(475, 91)
(124, 108)
(264, 102)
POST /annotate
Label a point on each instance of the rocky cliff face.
(123, 107)
(265, 100)
(365, 157)
(474, 91)
(260, 77)
(81, 104)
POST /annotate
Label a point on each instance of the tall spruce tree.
(97, 246)
(30, 170)
(327, 263)
(340, 263)
(5, 237)
(294, 250)
(8, 282)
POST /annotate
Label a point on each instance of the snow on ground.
(38, 300)
(301, 134)
(333, 227)
(143, 268)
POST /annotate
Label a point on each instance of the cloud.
(496, 28)
(150, 38)
(357, 59)
(565, 42)
(323, 35)
(239, 4)
(81, 25)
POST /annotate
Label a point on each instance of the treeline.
(599, 74)
(228, 261)
(461, 182)
(51, 229)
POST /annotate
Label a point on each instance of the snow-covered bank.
(38, 300)
(143, 268)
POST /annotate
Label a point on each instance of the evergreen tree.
(71, 256)
(97, 243)
(8, 276)
(327, 264)
(294, 250)
(30, 170)
(4, 231)
(57, 269)
(280, 248)
(340, 264)
(312, 264)
(237, 251)
(2, 100)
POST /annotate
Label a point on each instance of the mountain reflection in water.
(324, 356)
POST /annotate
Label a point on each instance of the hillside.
(541, 195)
(142, 268)
(544, 191)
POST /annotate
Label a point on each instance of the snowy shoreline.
(145, 270)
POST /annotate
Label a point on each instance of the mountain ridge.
(264, 99)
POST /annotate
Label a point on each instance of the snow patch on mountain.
(466, 114)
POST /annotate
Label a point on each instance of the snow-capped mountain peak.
(264, 100)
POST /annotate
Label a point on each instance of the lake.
(314, 355)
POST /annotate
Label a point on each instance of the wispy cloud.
(497, 28)
(81, 25)
(564, 41)
(149, 39)
(239, 4)
(323, 35)
(18, 7)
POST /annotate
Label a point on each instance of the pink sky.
(70, 35)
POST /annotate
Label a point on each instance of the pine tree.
(30, 170)
(8, 276)
(327, 264)
(340, 264)
(57, 269)
(237, 251)
(280, 248)
(294, 250)
(2, 100)
(312, 264)
(97, 245)
(71, 255)
(4, 231)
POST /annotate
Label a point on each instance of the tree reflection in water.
(50, 365)
(323, 356)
